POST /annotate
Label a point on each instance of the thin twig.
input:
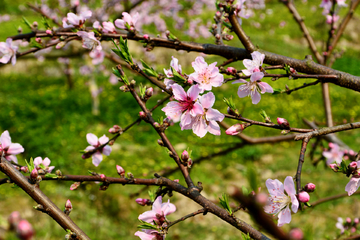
(193, 214)
(301, 161)
(240, 33)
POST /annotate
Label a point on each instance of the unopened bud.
(34, 174)
(310, 187)
(356, 220)
(283, 122)
(160, 142)
(348, 220)
(58, 173)
(189, 163)
(142, 115)
(190, 81)
(231, 70)
(296, 234)
(156, 125)
(35, 24)
(24, 169)
(132, 83)
(68, 207)
(48, 32)
(103, 187)
(38, 40)
(24, 230)
(143, 201)
(218, 15)
(352, 166)
(149, 92)
(103, 177)
(217, 36)
(227, 37)
(19, 30)
(235, 129)
(124, 88)
(166, 122)
(233, 112)
(75, 185)
(167, 33)
(14, 219)
(334, 167)
(115, 129)
(185, 156)
(304, 197)
(176, 180)
(146, 36)
(130, 175)
(120, 170)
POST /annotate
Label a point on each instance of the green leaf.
(27, 23)
(230, 103)
(149, 70)
(277, 91)
(35, 44)
(51, 175)
(142, 90)
(45, 23)
(224, 202)
(146, 225)
(245, 191)
(152, 195)
(177, 77)
(307, 204)
(30, 164)
(252, 176)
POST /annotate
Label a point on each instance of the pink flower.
(175, 64)
(7, 51)
(254, 87)
(149, 234)
(255, 64)
(186, 105)
(207, 76)
(127, 19)
(97, 56)
(326, 4)
(353, 184)
(279, 202)
(235, 129)
(9, 149)
(108, 27)
(142, 201)
(38, 161)
(296, 234)
(48, 32)
(159, 212)
(89, 40)
(341, 3)
(334, 155)
(330, 19)
(95, 142)
(340, 225)
(206, 121)
(73, 20)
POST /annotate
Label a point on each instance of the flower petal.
(289, 186)
(15, 148)
(97, 158)
(352, 185)
(5, 139)
(284, 216)
(207, 100)
(92, 139)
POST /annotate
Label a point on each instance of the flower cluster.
(327, 6)
(347, 225)
(255, 86)
(333, 155)
(39, 163)
(157, 216)
(8, 51)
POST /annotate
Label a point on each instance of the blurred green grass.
(50, 120)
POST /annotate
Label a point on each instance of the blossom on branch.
(207, 76)
(108, 27)
(254, 87)
(159, 212)
(334, 155)
(73, 20)
(89, 40)
(174, 64)
(8, 148)
(354, 184)
(207, 121)
(149, 234)
(186, 105)
(95, 142)
(97, 56)
(38, 161)
(128, 21)
(8, 51)
(255, 64)
(279, 202)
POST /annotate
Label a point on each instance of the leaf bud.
(149, 92)
(189, 163)
(160, 142)
(68, 207)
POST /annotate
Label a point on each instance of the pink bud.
(149, 92)
(261, 198)
(38, 40)
(146, 36)
(75, 185)
(48, 32)
(331, 145)
(310, 187)
(120, 170)
(190, 81)
(24, 230)
(231, 70)
(296, 234)
(333, 166)
(176, 180)
(142, 115)
(24, 169)
(235, 129)
(346, 157)
(304, 196)
(283, 122)
(115, 129)
(352, 153)
(353, 165)
(34, 174)
(142, 201)
(156, 125)
(353, 229)
(348, 220)
(14, 219)
(68, 204)
(185, 156)
(103, 177)
(356, 220)
(190, 163)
